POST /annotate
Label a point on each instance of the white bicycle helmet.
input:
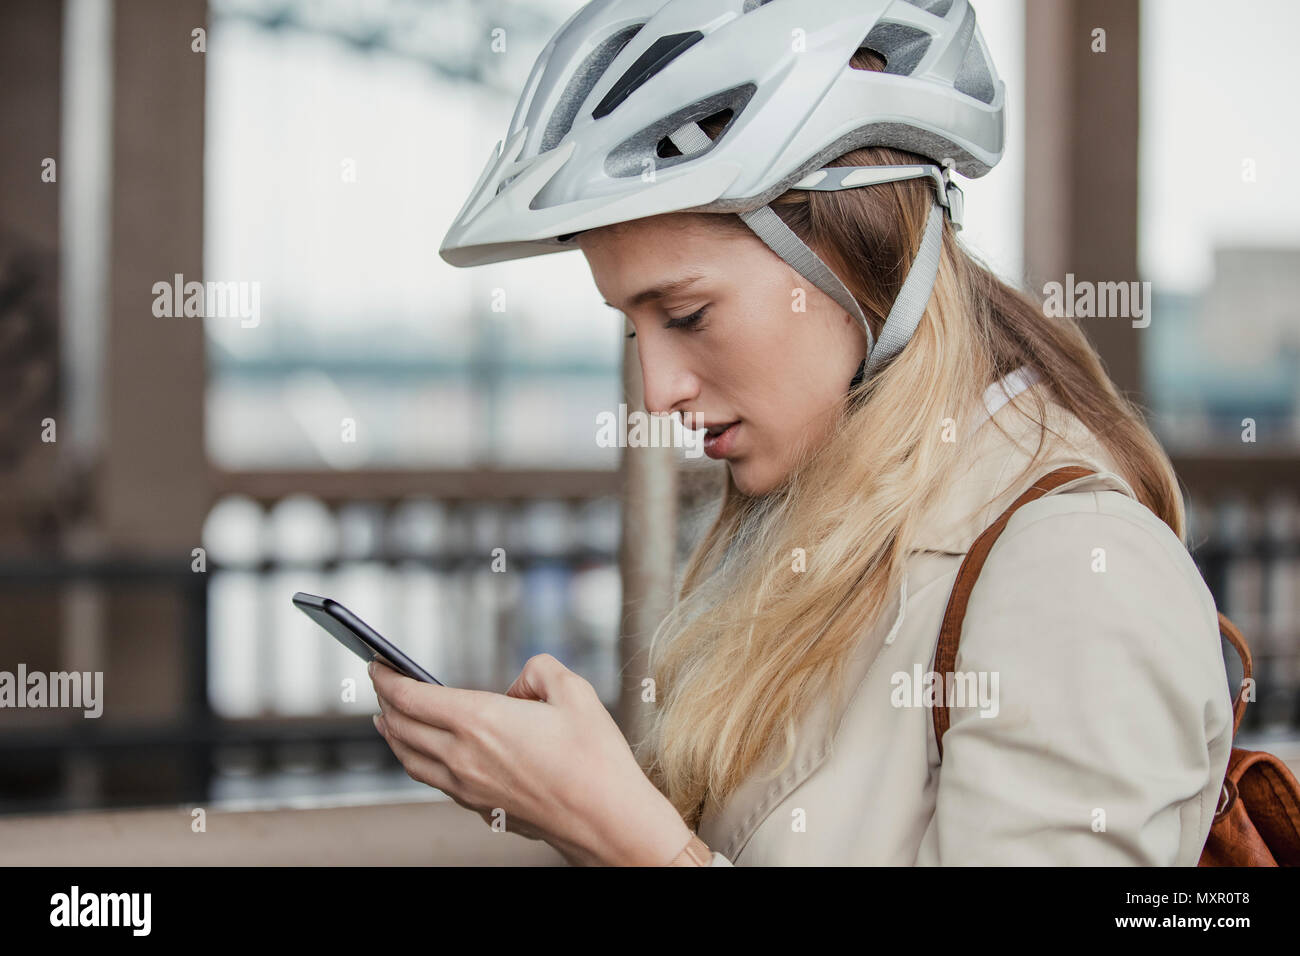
(622, 79)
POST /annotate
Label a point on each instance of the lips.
(720, 439)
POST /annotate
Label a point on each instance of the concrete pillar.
(153, 480)
(1081, 163)
(647, 554)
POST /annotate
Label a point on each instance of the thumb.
(539, 680)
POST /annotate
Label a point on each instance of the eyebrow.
(663, 290)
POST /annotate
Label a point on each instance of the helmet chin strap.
(859, 375)
(909, 306)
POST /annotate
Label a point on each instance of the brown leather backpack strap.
(945, 656)
(1229, 630)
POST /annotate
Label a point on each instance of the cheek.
(795, 378)
(804, 344)
(788, 417)
(785, 367)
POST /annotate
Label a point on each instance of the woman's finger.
(421, 767)
(445, 707)
(432, 741)
(543, 678)
(435, 774)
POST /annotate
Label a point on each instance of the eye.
(687, 321)
(690, 322)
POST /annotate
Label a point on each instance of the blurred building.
(1229, 357)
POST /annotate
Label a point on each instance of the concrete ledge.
(410, 834)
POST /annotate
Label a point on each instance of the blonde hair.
(750, 643)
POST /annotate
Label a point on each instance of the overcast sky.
(285, 109)
(1218, 87)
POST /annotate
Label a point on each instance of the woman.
(878, 405)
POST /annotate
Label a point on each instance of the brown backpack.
(1258, 819)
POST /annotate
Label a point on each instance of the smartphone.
(358, 636)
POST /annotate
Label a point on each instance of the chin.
(750, 480)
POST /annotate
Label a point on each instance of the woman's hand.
(546, 753)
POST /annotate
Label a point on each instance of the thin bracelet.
(695, 853)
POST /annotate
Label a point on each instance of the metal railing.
(547, 548)
(1248, 552)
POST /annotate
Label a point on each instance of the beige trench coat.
(1113, 718)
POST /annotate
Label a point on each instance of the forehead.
(660, 244)
(639, 262)
(653, 228)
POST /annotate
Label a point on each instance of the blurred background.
(383, 422)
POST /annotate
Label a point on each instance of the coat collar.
(989, 479)
(994, 473)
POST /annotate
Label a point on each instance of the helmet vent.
(717, 121)
(974, 78)
(900, 46)
(939, 8)
(581, 84)
(751, 5)
(651, 149)
(659, 54)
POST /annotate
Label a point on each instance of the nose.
(667, 379)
